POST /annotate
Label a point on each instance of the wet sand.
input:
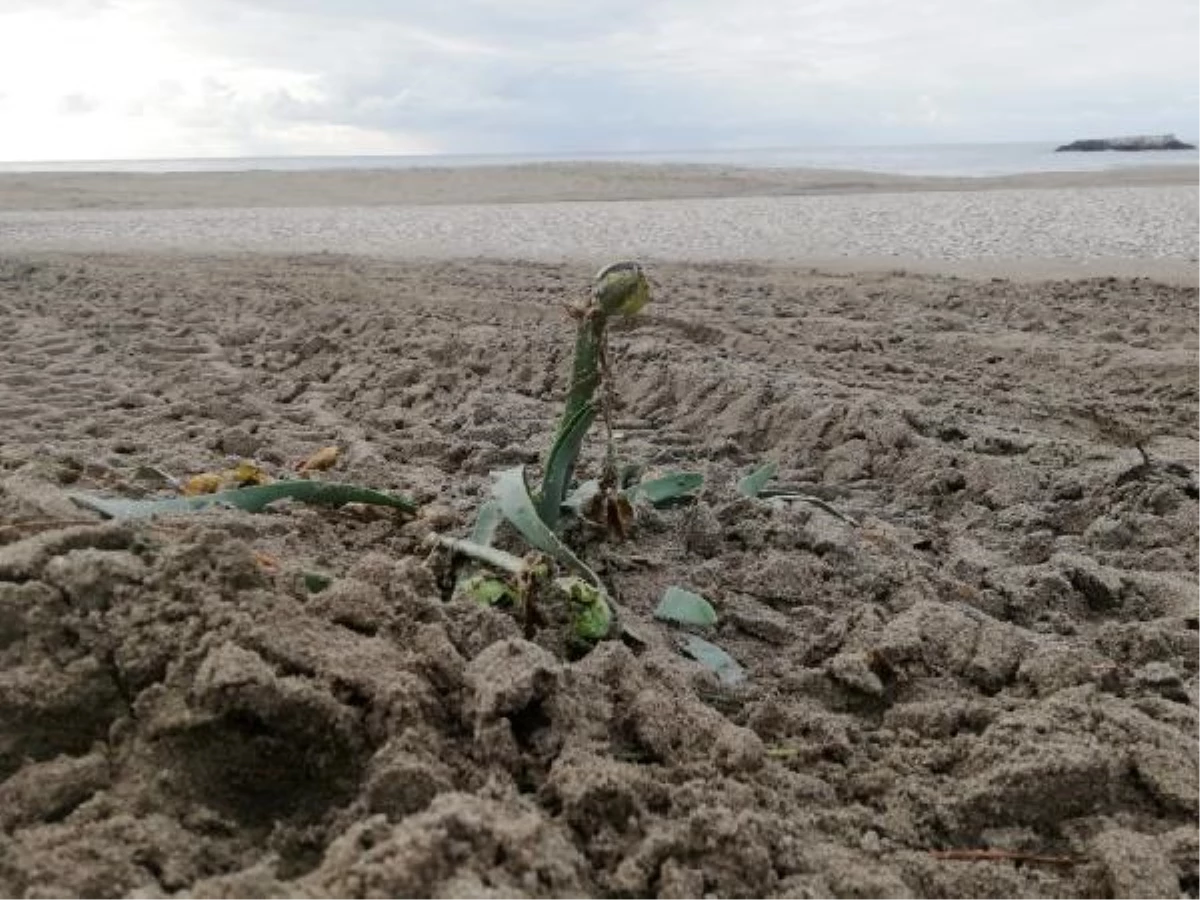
(1142, 222)
(531, 183)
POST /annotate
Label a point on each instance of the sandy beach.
(1131, 223)
(526, 183)
(985, 684)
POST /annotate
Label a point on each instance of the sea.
(959, 160)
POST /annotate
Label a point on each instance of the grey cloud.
(475, 79)
(530, 75)
(615, 72)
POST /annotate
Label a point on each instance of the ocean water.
(918, 159)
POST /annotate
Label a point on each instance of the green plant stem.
(620, 289)
(585, 372)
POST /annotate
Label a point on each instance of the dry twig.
(986, 854)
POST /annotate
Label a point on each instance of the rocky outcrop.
(1136, 142)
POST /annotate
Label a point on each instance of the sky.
(141, 79)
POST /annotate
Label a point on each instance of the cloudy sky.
(110, 79)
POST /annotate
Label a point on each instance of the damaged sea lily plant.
(551, 578)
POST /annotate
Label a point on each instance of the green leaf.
(684, 607)
(667, 489)
(315, 582)
(728, 672)
(561, 463)
(251, 499)
(752, 484)
(487, 521)
(511, 492)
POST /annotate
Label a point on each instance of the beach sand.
(1140, 222)
(527, 183)
(1000, 656)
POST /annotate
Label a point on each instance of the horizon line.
(532, 153)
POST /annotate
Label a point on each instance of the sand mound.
(1002, 656)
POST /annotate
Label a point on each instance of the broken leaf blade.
(752, 484)
(667, 489)
(685, 608)
(487, 522)
(250, 499)
(727, 669)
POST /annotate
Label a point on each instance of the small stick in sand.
(984, 854)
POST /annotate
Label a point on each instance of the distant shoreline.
(533, 182)
(1074, 231)
(970, 159)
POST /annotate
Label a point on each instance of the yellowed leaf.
(323, 459)
(244, 474)
(266, 560)
(204, 483)
(247, 473)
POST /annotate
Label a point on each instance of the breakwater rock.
(1135, 142)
